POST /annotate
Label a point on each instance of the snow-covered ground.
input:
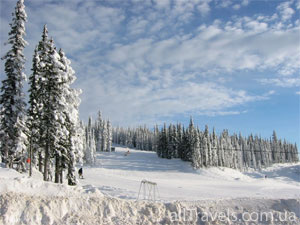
(109, 189)
(119, 176)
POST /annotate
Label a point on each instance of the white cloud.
(257, 26)
(225, 3)
(162, 4)
(282, 82)
(298, 93)
(285, 10)
(298, 4)
(245, 2)
(204, 7)
(137, 26)
(251, 45)
(146, 60)
(236, 6)
(152, 99)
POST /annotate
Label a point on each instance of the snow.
(12, 181)
(108, 192)
(119, 176)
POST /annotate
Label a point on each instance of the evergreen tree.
(191, 138)
(12, 127)
(109, 136)
(52, 112)
(91, 145)
(34, 114)
(206, 148)
(196, 154)
(71, 120)
(99, 128)
(163, 143)
(171, 148)
(214, 149)
(104, 137)
(275, 148)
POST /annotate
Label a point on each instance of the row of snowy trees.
(140, 138)
(204, 149)
(48, 133)
(98, 137)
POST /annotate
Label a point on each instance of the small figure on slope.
(80, 172)
(127, 153)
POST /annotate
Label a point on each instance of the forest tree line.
(205, 149)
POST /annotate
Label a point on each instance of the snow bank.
(13, 181)
(18, 208)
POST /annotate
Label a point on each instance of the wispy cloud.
(285, 10)
(282, 82)
(143, 60)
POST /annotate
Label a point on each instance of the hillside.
(108, 191)
(117, 175)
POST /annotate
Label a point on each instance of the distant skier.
(80, 172)
(127, 153)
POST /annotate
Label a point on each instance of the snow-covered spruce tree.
(109, 136)
(206, 147)
(37, 93)
(82, 138)
(171, 143)
(12, 127)
(179, 140)
(222, 149)
(36, 102)
(184, 144)
(90, 144)
(34, 114)
(196, 153)
(52, 101)
(53, 112)
(214, 148)
(104, 136)
(162, 143)
(71, 121)
(99, 131)
(275, 148)
(237, 154)
(252, 152)
(155, 138)
(189, 140)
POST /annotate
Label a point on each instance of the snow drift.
(19, 208)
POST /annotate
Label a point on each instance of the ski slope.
(117, 175)
(108, 192)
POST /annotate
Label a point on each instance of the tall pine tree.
(13, 128)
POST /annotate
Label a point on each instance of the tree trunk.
(5, 158)
(71, 171)
(61, 176)
(40, 162)
(57, 169)
(46, 162)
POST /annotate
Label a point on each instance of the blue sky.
(230, 64)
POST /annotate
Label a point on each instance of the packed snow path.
(117, 175)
